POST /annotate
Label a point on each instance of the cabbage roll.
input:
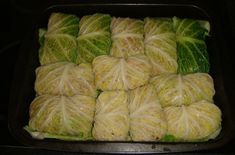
(94, 37)
(199, 121)
(127, 37)
(111, 122)
(58, 42)
(160, 45)
(112, 73)
(147, 120)
(61, 117)
(177, 89)
(64, 78)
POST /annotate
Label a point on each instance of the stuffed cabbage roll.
(111, 120)
(191, 46)
(58, 42)
(112, 73)
(127, 37)
(177, 89)
(199, 121)
(147, 120)
(60, 117)
(94, 37)
(160, 45)
(64, 78)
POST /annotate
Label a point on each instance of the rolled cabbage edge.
(206, 25)
(43, 135)
(41, 37)
(172, 138)
(168, 138)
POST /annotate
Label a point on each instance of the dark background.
(17, 21)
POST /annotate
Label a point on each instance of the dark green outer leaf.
(192, 56)
(91, 47)
(41, 37)
(191, 47)
(94, 37)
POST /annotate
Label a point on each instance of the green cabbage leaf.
(160, 45)
(94, 37)
(58, 42)
(191, 46)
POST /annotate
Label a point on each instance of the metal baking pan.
(22, 92)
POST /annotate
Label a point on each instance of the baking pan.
(22, 92)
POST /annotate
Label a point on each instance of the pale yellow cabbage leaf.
(111, 116)
(177, 89)
(160, 45)
(127, 37)
(199, 121)
(64, 78)
(147, 120)
(62, 117)
(113, 73)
